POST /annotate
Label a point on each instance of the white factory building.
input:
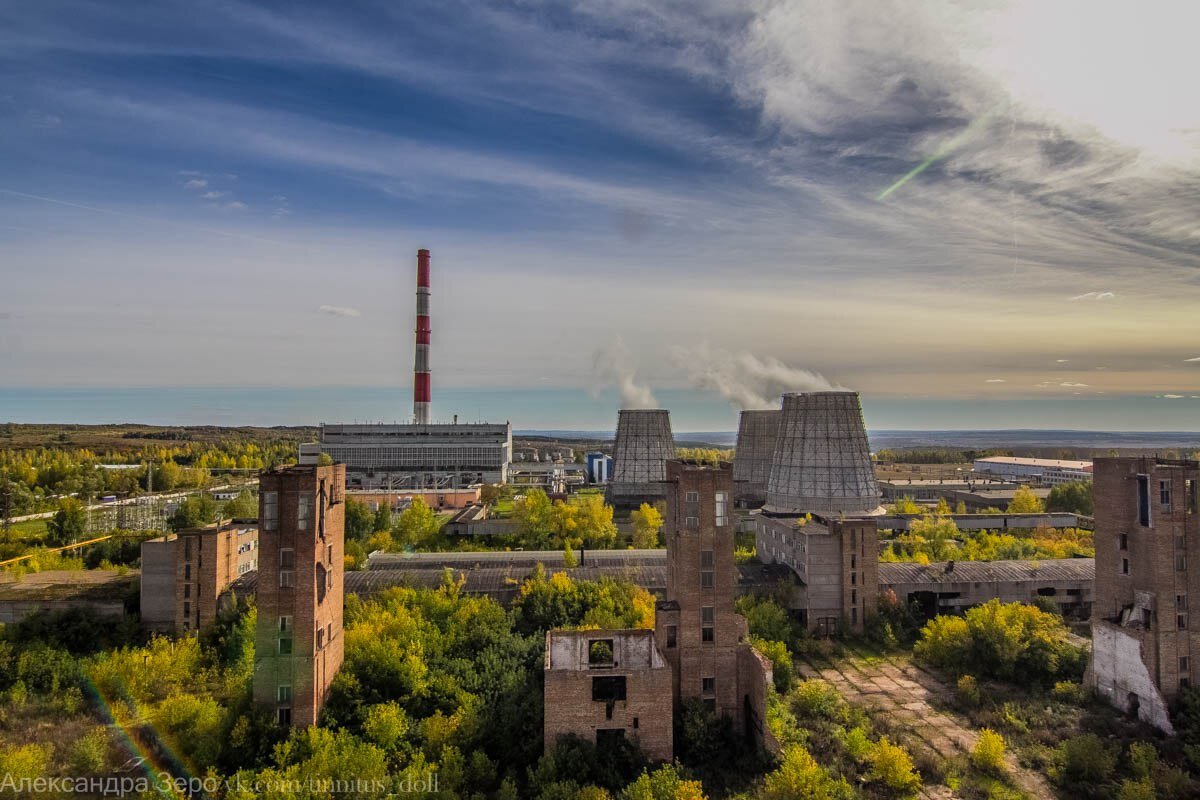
(1043, 471)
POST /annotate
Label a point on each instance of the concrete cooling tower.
(757, 432)
(822, 462)
(643, 445)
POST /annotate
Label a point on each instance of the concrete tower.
(822, 462)
(421, 382)
(643, 445)
(757, 432)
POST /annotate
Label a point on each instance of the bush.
(799, 776)
(782, 668)
(89, 755)
(967, 690)
(1143, 758)
(816, 699)
(1008, 641)
(1137, 790)
(1068, 691)
(1085, 762)
(663, 783)
(892, 766)
(988, 753)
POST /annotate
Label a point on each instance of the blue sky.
(654, 196)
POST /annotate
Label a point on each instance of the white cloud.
(1094, 296)
(995, 380)
(339, 311)
(1191, 360)
(1072, 384)
(213, 195)
(195, 183)
(1061, 360)
(234, 205)
(1172, 396)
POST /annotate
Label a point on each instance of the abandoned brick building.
(298, 643)
(628, 683)
(1144, 639)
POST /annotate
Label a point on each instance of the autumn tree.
(68, 524)
(647, 521)
(1025, 502)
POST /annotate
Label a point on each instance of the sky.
(966, 203)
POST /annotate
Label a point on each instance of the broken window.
(722, 503)
(1143, 500)
(1164, 493)
(608, 737)
(609, 688)
(672, 635)
(303, 512)
(600, 653)
(708, 685)
(1123, 541)
(706, 634)
(270, 510)
(1189, 487)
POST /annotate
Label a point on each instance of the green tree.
(800, 777)
(383, 516)
(244, 506)
(416, 524)
(1025, 502)
(1074, 497)
(359, 522)
(664, 783)
(594, 521)
(68, 524)
(534, 514)
(194, 512)
(905, 505)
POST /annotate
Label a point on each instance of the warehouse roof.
(1057, 569)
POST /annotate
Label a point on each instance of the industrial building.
(604, 683)
(1145, 640)
(821, 507)
(423, 454)
(951, 587)
(1041, 471)
(599, 467)
(644, 443)
(756, 437)
(185, 574)
(298, 642)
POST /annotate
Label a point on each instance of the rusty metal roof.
(1055, 569)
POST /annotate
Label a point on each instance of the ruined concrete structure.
(822, 462)
(756, 436)
(643, 445)
(185, 574)
(1144, 640)
(836, 561)
(298, 643)
(608, 684)
(698, 650)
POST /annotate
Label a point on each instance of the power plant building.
(756, 437)
(821, 507)
(423, 454)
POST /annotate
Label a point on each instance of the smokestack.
(421, 387)
(757, 432)
(822, 462)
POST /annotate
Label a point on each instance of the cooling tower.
(644, 444)
(757, 431)
(822, 462)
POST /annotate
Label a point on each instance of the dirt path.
(902, 690)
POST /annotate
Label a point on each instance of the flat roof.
(1052, 463)
(1052, 569)
(97, 585)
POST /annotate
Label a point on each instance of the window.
(284, 694)
(322, 579)
(706, 559)
(1143, 500)
(187, 548)
(1124, 566)
(303, 512)
(329, 554)
(285, 646)
(706, 634)
(270, 510)
(609, 688)
(187, 610)
(854, 579)
(710, 705)
(854, 615)
(1181, 622)
(187, 572)
(187, 590)
(1184, 664)
(287, 558)
(286, 579)
(285, 716)
(1181, 602)
(691, 497)
(609, 737)
(706, 579)
(1123, 541)
(672, 635)
(600, 653)
(853, 561)
(1164, 493)
(692, 522)
(320, 638)
(854, 597)
(708, 685)
(1180, 563)
(706, 614)
(285, 624)
(1189, 488)
(722, 503)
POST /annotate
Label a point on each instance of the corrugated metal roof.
(1059, 569)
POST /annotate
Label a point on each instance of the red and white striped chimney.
(421, 389)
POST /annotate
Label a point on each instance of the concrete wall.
(12, 611)
(1120, 674)
(158, 583)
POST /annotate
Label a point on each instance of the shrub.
(1143, 758)
(1142, 789)
(663, 783)
(800, 776)
(893, 767)
(1009, 641)
(782, 669)
(20, 762)
(967, 689)
(816, 699)
(988, 753)
(89, 755)
(1085, 761)
(1068, 691)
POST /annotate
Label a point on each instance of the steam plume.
(613, 364)
(744, 379)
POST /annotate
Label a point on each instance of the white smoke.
(613, 364)
(745, 380)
